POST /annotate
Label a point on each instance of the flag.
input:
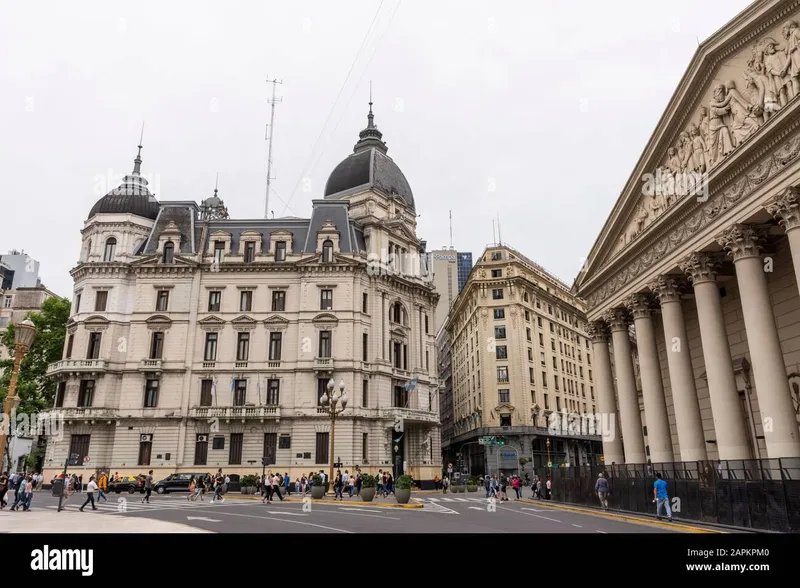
(411, 384)
(214, 390)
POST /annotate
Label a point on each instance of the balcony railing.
(240, 365)
(274, 364)
(401, 373)
(150, 365)
(209, 365)
(77, 366)
(235, 412)
(323, 364)
(84, 412)
(411, 415)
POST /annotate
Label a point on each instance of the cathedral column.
(786, 208)
(655, 404)
(729, 423)
(688, 422)
(606, 399)
(769, 370)
(631, 425)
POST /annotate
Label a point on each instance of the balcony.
(77, 367)
(150, 365)
(83, 413)
(240, 365)
(235, 412)
(323, 364)
(209, 365)
(274, 364)
(401, 373)
(411, 415)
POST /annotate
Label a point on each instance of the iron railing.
(757, 494)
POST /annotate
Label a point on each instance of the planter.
(403, 495)
(317, 492)
(459, 489)
(471, 488)
(367, 494)
(248, 490)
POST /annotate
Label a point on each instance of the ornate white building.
(701, 253)
(200, 341)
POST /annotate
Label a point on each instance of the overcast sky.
(548, 102)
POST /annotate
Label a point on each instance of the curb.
(621, 517)
(323, 501)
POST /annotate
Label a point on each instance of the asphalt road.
(441, 514)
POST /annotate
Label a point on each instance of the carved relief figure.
(685, 150)
(745, 117)
(775, 67)
(699, 152)
(719, 135)
(792, 51)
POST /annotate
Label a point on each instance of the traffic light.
(501, 440)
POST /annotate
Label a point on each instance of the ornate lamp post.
(24, 334)
(334, 401)
(547, 442)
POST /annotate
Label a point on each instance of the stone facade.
(707, 277)
(199, 341)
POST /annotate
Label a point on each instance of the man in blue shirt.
(661, 498)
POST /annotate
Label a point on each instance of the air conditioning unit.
(202, 438)
(145, 438)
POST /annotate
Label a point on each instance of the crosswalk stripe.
(130, 506)
(431, 499)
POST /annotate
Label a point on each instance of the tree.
(35, 390)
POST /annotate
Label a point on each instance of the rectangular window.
(242, 346)
(365, 447)
(400, 397)
(504, 396)
(162, 300)
(77, 302)
(157, 345)
(324, 344)
(323, 442)
(502, 374)
(499, 332)
(278, 301)
(246, 301)
(365, 393)
(280, 251)
(497, 294)
(93, 352)
(70, 342)
(218, 443)
(201, 450)
(270, 447)
(219, 251)
(531, 378)
(239, 392)
(235, 455)
(145, 449)
(285, 441)
(273, 392)
(60, 393)
(497, 273)
(86, 393)
(151, 394)
(364, 346)
(426, 324)
(249, 251)
(79, 445)
(501, 352)
(214, 301)
(275, 340)
(100, 301)
(499, 313)
(326, 300)
(544, 379)
(210, 352)
(322, 388)
(205, 392)
(364, 303)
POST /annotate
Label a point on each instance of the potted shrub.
(472, 484)
(402, 489)
(249, 482)
(367, 487)
(317, 487)
(458, 485)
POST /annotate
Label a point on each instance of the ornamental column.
(729, 423)
(786, 208)
(655, 404)
(769, 370)
(631, 425)
(606, 398)
(688, 422)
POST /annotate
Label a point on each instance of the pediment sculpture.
(735, 110)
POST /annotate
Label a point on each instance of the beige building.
(520, 356)
(199, 341)
(701, 254)
(443, 267)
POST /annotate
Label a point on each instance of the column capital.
(701, 267)
(786, 208)
(640, 305)
(597, 331)
(741, 241)
(617, 319)
(667, 288)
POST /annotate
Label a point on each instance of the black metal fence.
(757, 494)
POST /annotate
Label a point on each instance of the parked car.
(129, 484)
(176, 483)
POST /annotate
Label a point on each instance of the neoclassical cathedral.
(198, 341)
(707, 278)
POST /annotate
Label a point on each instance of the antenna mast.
(451, 229)
(494, 234)
(499, 234)
(270, 133)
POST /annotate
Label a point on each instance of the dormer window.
(280, 251)
(169, 250)
(327, 251)
(219, 251)
(111, 247)
(249, 251)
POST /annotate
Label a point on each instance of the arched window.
(327, 251)
(111, 248)
(169, 250)
(397, 314)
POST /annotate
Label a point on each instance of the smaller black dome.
(132, 197)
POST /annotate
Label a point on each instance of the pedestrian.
(102, 486)
(661, 498)
(148, 487)
(601, 488)
(276, 486)
(219, 482)
(445, 484)
(90, 490)
(267, 489)
(3, 490)
(338, 484)
(549, 486)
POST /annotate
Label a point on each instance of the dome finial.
(216, 185)
(370, 137)
(370, 116)
(137, 163)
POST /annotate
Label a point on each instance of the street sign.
(482, 441)
(338, 465)
(549, 464)
(74, 459)
(86, 459)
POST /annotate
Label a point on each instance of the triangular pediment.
(244, 320)
(504, 408)
(219, 233)
(316, 259)
(276, 322)
(213, 323)
(325, 317)
(155, 260)
(724, 103)
(250, 233)
(158, 318)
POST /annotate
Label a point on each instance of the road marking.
(359, 514)
(430, 499)
(357, 509)
(294, 522)
(532, 509)
(603, 532)
(434, 508)
(203, 519)
(527, 514)
(574, 525)
(475, 508)
(286, 512)
(447, 500)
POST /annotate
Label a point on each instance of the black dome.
(369, 167)
(132, 197)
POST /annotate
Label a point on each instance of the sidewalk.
(50, 521)
(378, 501)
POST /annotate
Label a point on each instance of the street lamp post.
(334, 401)
(547, 442)
(24, 334)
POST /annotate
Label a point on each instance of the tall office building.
(443, 264)
(464, 267)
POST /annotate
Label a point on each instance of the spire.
(370, 136)
(137, 163)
